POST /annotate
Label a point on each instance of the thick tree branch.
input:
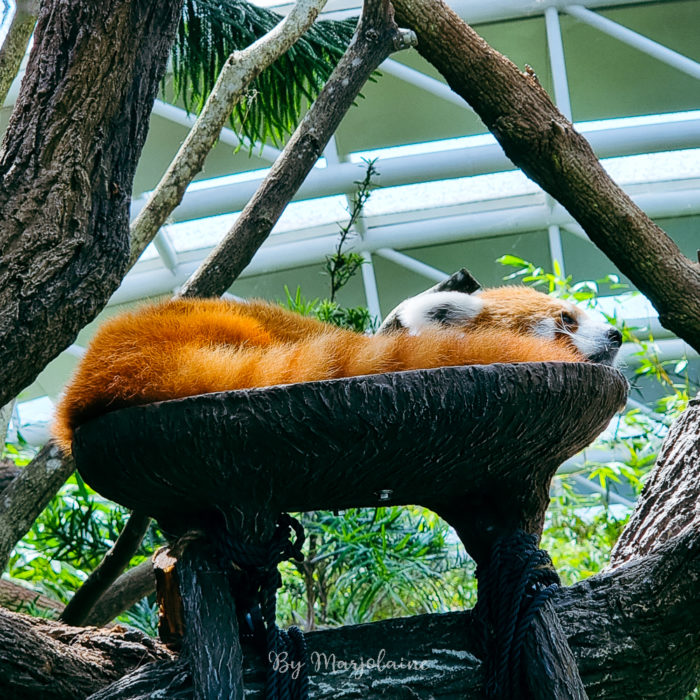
(44, 659)
(239, 70)
(541, 141)
(376, 37)
(67, 162)
(105, 573)
(619, 624)
(28, 494)
(16, 41)
(669, 504)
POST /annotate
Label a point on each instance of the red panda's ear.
(432, 309)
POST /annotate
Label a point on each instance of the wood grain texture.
(47, 660)
(481, 440)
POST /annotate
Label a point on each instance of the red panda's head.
(519, 309)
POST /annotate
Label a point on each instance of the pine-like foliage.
(210, 30)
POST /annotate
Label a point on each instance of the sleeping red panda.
(196, 346)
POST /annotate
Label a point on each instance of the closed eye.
(568, 322)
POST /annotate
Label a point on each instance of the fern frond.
(210, 30)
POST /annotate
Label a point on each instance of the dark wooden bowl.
(488, 436)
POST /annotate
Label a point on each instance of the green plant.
(342, 265)
(369, 564)
(69, 539)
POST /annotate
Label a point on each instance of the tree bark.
(541, 141)
(67, 162)
(28, 494)
(16, 41)
(376, 37)
(19, 598)
(620, 626)
(8, 471)
(239, 70)
(45, 659)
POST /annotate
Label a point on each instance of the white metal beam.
(638, 41)
(556, 250)
(432, 273)
(370, 282)
(166, 250)
(145, 281)
(557, 61)
(475, 11)
(212, 198)
(423, 81)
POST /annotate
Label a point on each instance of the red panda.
(195, 346)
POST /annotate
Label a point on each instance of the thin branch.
(105, 573)
(28, 494)
(127, 590)
(8, 471)
(376, 37)
(16, 41)
(541, 141)
(237, 73)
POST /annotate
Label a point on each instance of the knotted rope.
(256, 601)
(515, 583)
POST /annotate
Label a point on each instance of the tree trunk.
(66, 168)
(28, 494)
(541, 141)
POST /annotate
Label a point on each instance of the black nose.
(615, 337)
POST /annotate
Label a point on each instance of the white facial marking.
(590, 337)
(436, 309)
(545, 328)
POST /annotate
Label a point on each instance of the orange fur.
(187, 347)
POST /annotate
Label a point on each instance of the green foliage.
(341, 267)
(210, 30)
(356, 318)
(370, 564)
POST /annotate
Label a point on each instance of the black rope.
(512, 587)
(256, 603)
